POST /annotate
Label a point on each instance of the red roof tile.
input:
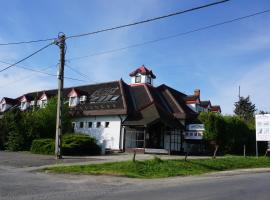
(142, 70)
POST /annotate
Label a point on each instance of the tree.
(245, 109)
(18, 129)
(215, 127)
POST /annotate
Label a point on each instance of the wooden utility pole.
(58, 136)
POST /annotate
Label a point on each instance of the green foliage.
(19, 129)
(245, 109)
(72, 144)
(166, 168)
(214, 127)
(43, 146)
(231, 133)
(80, 144)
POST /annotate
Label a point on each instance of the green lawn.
(157, 168)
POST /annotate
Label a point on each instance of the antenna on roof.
(239, 91)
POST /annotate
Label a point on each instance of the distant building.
(124, 117)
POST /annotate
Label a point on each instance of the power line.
(27, 42)
(147, 20)
(117, 27)
(32, 54)
(28, 68)
(171, 36)
(77, 71)
(42, 72)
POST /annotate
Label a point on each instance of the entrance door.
(155, 137)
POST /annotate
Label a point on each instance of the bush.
(72, 144)
(80, 144)
(43, 146)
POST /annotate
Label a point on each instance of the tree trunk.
(134, 156)
(186, 155)
(215, 152)
(244, 150)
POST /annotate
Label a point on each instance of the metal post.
(61, 43)
(257, 149)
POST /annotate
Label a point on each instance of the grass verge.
(158, 168)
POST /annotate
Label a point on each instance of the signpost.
(262, 129)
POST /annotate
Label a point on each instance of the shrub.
(72, 144)
(43, 146)
(79, 144)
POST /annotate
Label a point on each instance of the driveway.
(25, 159)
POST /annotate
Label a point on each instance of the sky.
(216, 60)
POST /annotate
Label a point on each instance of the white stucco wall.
(143, 79)
(4, 107)
(111, 134)
(192, 106)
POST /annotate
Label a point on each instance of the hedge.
(72, 144)
(43, 146)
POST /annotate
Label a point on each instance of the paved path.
(25, 159)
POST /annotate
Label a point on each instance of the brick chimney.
(197, 93)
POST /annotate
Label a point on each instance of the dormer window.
(73, 101)
(148, 80)
(138, 78)
(83, 99)
(43, 103)
(24, 105)
(142, 75)
(32, 103)
(2, 107)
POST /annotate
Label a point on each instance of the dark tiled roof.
(10, 101)
(176, 100)
(215, 108)
(140, 96)
(205, 104)
(191, 98)
(143, 103)
(151, 115)
(102, 99)
(144, 71)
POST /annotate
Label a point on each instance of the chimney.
(197, 93)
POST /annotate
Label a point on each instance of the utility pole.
(58, 136)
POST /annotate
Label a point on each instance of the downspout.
(121, 135)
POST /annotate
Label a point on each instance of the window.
(90, 124)
(81, 124)
(83, 99)
(72, 101)
(3, 107)
(24, 105)
(148, 80)
(107, 124)
(114, 98)
(43, 103)
(137, 79)
(98, 124)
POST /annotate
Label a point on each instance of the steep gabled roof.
(176, 101)
(10, 101)
(102, 99)
(216, 108)
(205, 104)
(144, 71)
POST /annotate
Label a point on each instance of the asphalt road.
(21, 183)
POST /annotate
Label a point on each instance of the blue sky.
(215, 60)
